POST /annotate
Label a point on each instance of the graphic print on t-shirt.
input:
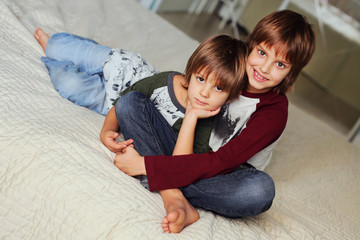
(228, 122)
(122, 69)
(162, 101)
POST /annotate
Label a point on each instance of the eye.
(280, 65)
(261, 52)
(218, 89)
(200, 79)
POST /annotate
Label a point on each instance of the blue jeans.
(158, 139)
(243, 192)
(75, 68)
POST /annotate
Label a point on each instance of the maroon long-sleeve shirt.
(244, 128)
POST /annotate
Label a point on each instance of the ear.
(185, 84)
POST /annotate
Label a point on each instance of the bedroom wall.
(166, 5)
(175, 5)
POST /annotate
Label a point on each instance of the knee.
(263, 193)
(257, 197)
(66, 78)
(129, 103)
(129, 108)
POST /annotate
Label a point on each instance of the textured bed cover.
(57, 181)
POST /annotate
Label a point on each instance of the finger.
(118, 152)
(124, 150)
(128, 142)
(130, 148)
(116, 146)
(127, 149)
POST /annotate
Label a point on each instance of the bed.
(57, 180)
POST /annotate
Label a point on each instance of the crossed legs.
(243, 192)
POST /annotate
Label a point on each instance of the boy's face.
(203, 92)
(265, 69)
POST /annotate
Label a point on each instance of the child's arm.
(109, 133)
(185, 141)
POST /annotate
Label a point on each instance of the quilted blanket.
(57, 180)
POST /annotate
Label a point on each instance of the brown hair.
(224, 56)
(292, 36)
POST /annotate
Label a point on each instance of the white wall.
(175, 5)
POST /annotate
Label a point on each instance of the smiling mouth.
(258, 77)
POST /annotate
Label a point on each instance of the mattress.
(57, 180)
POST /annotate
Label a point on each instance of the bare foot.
(41, 37)
(180, 213)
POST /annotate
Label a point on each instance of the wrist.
(191, 116)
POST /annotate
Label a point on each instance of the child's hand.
(130, 162)
(108, 139)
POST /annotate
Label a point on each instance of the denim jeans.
(244, 192)
(75, 68)
(142, 122)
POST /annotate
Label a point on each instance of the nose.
(265, 67)
(205, 91)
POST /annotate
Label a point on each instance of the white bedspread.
(57, 181)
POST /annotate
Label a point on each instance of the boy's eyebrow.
(265, 49)
(285, 62)
(198, 74)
